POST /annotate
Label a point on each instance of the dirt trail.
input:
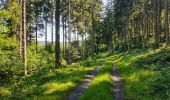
(85, 84)
(117, 84)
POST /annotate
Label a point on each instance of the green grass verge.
(49, 85)
(144, 75)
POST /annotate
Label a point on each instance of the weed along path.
(117, 83)
(85, 84)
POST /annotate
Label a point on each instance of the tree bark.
(167, 22)
(57, 28)
(24, 35)
(45, 34)
(156, 26)
(63, 37)
(145, 26)
(52, 30)
(52, 25)
(21, 35)
(36, 40)
(69, 35)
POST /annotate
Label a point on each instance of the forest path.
(117, 84)
(85, 84)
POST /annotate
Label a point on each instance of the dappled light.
(84, 50)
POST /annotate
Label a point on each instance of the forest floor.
(138, 74)
(145, 74)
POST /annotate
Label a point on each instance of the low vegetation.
(145, 74)
(132, 33)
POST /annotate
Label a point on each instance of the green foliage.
(90, 62)
(10, 62)
(46, 83)
(159, 60)
(145, 74)
(42, 59)
(8, 43)
(160, 84)
(4, 16)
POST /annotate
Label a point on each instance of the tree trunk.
(63, 36)
(21, 40)
(69, 36)
(52, 25)
(156, 26)
(145, 25)
(57, 28)
(82, 46)
(45, 34)
(137, 33)
(128, 34)
(21, 34)
(167, 22)
(36, 40)
(93, 33)
(24, 35)
(52, 31)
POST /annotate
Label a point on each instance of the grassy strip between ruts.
(101, 87)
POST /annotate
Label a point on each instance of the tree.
(57, 35)
(156, 26)
(167, 22)
(24, 35)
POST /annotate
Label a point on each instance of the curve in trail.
(85, 84)
(117, 84)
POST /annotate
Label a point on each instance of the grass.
(145, 74)
(53, 85)
(49, 84)
(140, 70)
(101, 87)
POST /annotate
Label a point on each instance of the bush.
(160, 84)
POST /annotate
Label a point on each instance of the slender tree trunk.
(57, 42)
(36, 40)
(24, 35)
(69, 36)
(63, 37)
(93, 33)
(148, 29)
(52, 25)
(167, 23)
(52, 30)
(128, 34)
(21, 40)
(77, 37)
(156, 26)
(45, 34)
(145, 26)
(21, 34)
(137, 34)
(82, 46)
